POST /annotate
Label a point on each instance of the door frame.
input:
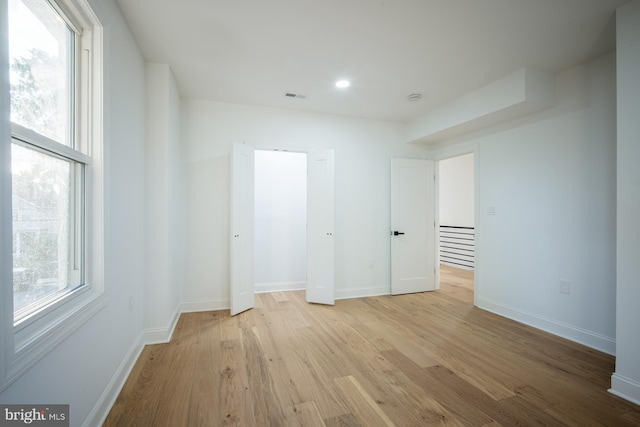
(447, 153)
(266, 148)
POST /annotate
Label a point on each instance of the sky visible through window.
(40, 50)
(26, 31)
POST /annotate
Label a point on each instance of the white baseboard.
(582, 336)
(108, 397)
(362, 292)
(150, 336)
(162, 335)
(104, 404)
(261, 288)
(211, 305)
(625, 388)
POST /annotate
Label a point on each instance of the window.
(55, 88)
(47, 167)
(47, 228)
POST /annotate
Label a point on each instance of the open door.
(242, 200)
(413, 255)
(320, 227)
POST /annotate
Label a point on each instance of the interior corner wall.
(84, 370)
(625, 381)
(163, 203)
(546, 210)
(363, 149)
(456, 191)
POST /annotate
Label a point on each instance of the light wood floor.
(413, 360)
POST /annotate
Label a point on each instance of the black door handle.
(397, 233)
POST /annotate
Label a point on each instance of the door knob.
(397, 233)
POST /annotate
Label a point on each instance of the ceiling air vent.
(295, 95)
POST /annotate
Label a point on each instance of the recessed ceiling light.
(343, 84)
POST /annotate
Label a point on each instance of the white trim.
(34, 139)
(78, 13)
(6, 250)
(362, 292)
(625, 388)
(436, 224)
(162, 335)
(211, 305)
(261, 288)
(223, 304)
(105, 402)
(457, 149)
(561, 329)
(24, 358)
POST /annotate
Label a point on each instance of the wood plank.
(129, 393)
(148, 386)
(363, 406)
(304, 415)
(236, 403)
(577, 413)
(205, 407)
(449, 398)
(425, 410)
(294, 366)
(267, 409)
(411, 360)
(280, 296)
(133, 419)
(171, 411)
(347, 420)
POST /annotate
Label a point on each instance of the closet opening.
(280, 221)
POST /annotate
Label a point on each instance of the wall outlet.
(565, 287)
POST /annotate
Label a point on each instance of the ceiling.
(255, 51)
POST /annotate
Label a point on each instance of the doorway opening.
(457, 226)
(280, 221)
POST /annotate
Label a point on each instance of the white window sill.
(35, 341)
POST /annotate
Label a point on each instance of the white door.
(320, 227)
(412, 226)
(242, 200)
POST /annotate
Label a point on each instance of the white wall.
(456, 191)
(552, 180)
(280, 261)
(626, 380)
(363, 151)
(83, 366)
(164, 203)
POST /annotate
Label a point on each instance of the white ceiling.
(254, 51)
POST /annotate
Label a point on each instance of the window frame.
(28, 341)
(45, 146)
